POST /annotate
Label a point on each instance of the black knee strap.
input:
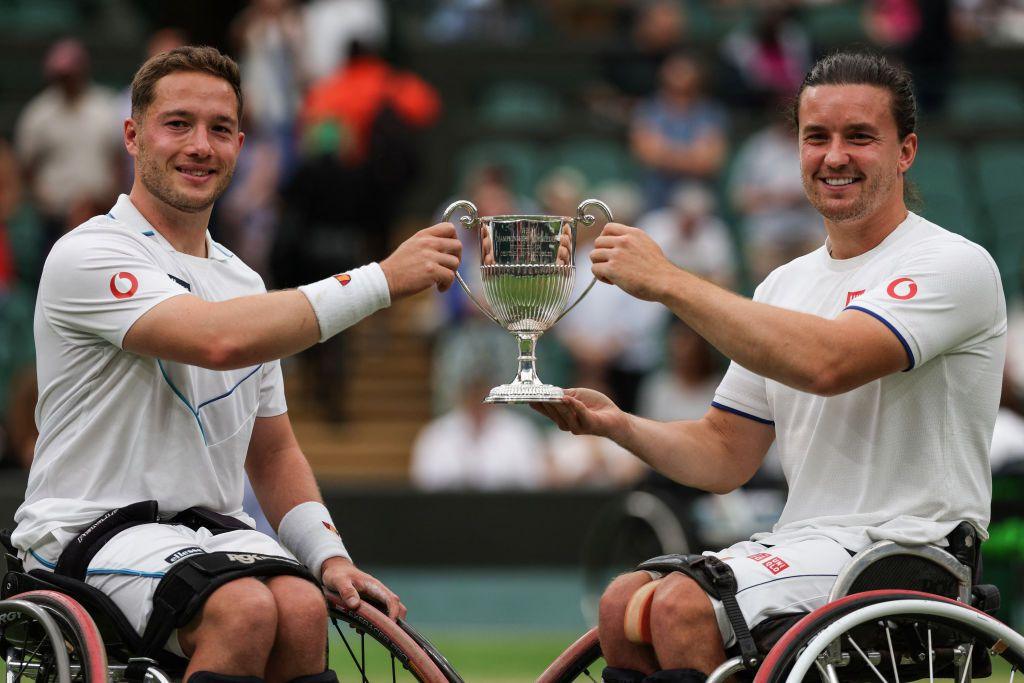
(716, 578)
(327, 676)
(211, 677)
(183, 590)
(677, 676)
(612, 674)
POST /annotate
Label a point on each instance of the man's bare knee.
(617, 595)
(300, 605)
(681, 606)
(241, 614)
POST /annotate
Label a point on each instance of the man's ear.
(908, 152)
(131, 133)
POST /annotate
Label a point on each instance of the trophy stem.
(527, 373)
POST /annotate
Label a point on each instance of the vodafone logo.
(123, 285)
(902, 288)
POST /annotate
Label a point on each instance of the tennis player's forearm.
(793, 348)
(255, 329)
(690, 452)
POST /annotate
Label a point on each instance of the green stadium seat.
(516, 105)
(522, 160)
(599, 159)
(1000, 172)
(938, 172)
(989, 102)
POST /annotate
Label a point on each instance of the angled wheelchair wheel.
(581, 661)
(893, 635)
(47, 636)
(374, 648)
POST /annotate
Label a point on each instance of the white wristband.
(343, 300)
(309, 533)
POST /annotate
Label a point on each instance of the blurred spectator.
(997, 22)
(21, 255)
(269, 38)
(629, 69)
(679, 134)
(68, 138)
(768, 58)
(778, 224)
(477, 446)
(331, 26)
(1008, 435)
(919, 33)
(378, 110)
(489, 21)
(685, 387)
(18, 445)
(692, 236)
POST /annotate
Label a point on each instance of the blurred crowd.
(334, 147)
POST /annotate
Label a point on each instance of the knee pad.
(677, 676)
(637, 621)
(327, 676)
(613, 674)
(210, 677)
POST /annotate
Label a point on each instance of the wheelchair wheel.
(376, 648)
(47, 636)
(581, 661)
(892, 635)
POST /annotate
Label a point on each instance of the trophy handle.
(469, 220)
(587, 220)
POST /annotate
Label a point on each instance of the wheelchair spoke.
(967, 664)
(352, 654)
(892, 652)
(362, 654)
(394, 675)
(586, 672)
(931, 658)
(1013, 672)
(866, 659)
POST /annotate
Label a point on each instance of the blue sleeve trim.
(906, 346)
(755, 418)
(148, 233)
(124, 572)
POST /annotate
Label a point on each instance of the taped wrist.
(343, 300)
(309, 533)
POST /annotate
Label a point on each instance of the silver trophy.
(527, 268)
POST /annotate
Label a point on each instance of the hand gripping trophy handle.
(471, 218)
(586, 220)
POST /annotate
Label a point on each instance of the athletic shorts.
(783, 579)
(130, 565)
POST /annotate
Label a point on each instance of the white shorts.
(783, 579)
(130, 565)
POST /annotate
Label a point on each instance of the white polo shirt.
(115, 427)
(905, 457)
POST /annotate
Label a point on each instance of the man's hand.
(585, 411)
(341, 576)
(429, 257)
(629, 259)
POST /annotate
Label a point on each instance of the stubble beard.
(159, 183)
(873, 194)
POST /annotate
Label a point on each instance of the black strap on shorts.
(75, 558)
(183, 590)
(716, 578)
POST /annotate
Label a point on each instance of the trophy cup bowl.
(527, 269)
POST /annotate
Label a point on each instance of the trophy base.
(525, 393)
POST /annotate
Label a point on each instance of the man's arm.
(718, 453)
(803, 351)
(254, 329)
(282, 479)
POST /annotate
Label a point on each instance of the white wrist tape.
(343, 300)
(308, 532)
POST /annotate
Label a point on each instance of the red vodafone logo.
(123, 285)
(902, 288)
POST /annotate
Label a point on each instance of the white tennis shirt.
(905, 457)
(115, 427)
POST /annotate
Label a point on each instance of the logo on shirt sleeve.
(123, 285)
(344, 279)
(902, 289)
(850, 296)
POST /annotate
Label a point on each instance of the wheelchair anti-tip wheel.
(374, 648)
(46, 636)
(893, 635)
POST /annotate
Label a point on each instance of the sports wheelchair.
(55, 629)
(896, 613)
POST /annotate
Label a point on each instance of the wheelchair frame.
(830, 657)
